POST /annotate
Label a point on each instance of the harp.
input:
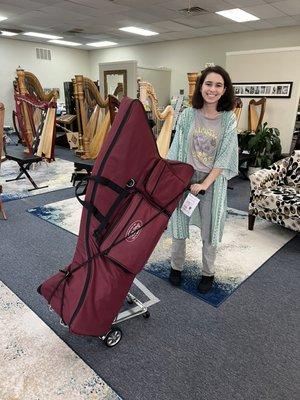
(238, 106)
(256, 112)
(93, 117)
(2, 110)
(35, 114)
(192, 79)
(147, 94)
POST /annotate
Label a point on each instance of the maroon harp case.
(129, 199)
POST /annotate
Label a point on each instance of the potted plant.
(264, 146)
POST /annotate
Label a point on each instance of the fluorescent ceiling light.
(102, 44)
(64, 42)
(42, 35)
(2, 18)
(138, 31)
(7, 33)
(238, 15)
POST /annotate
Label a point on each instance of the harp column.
(192, 78)
(86, 139)
(80, 150)
(26, 126)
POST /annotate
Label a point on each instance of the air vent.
(75, 30)
(12, 30)
(193, 11)
(43, 54)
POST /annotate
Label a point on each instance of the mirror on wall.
(115, 83)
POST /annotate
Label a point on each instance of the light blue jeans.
(209, 252)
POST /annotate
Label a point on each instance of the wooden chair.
(254, 118)
(2, 110)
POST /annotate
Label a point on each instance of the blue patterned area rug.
(241, 253)
(57, 175)
(36, 363)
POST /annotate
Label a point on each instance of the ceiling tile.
(296, 17)
(137, 3)
(24, 4)
(283, 21)
(171, 26)
(246, 3)
(256, 25)
(107, 6)
(289, 7)
(101, 18)
(237, 27)
(215, 30)
(264, 11)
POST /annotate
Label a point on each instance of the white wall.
(129, 66)
(190, 55)
(271, 65)
(161, 81)
(64, 65)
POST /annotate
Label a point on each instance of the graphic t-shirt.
(203, 141)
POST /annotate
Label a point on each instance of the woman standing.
(206, 138)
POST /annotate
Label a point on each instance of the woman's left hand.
(196, 187)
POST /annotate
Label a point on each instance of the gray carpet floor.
(247, 349)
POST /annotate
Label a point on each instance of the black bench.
(82, 168)
(24, 160)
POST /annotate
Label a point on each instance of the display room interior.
(125, 126)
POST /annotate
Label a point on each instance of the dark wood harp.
(256, 111)
(35, 114)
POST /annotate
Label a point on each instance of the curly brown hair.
(227, 101)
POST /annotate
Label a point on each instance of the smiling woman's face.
(212, 88)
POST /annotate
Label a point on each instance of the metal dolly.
(114, 335)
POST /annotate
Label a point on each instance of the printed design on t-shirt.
(204, 144)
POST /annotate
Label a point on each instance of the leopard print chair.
(275, 193)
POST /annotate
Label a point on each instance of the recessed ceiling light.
(64, 42)
(102, 44)
(138, 31)
(238, 15)
(7, 33)
(2, 18)
(42, 35)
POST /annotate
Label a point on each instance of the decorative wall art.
(263, 89)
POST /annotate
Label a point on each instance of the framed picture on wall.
(263, 89)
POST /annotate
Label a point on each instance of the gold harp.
(93, 117)
(147, 92)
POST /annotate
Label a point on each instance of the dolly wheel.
(146, 314)
(113, 337)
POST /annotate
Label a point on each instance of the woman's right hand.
(195, 188)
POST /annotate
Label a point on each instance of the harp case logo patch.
(133, 231)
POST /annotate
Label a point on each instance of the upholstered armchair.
(275, 193)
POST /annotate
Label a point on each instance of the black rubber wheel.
(146, 314)
(113, 337)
